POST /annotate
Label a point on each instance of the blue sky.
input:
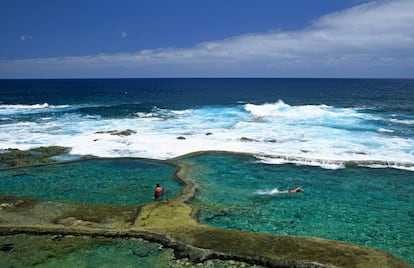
(206, 38)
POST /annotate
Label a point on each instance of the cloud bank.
(375, 39)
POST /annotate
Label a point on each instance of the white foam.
(403, 121)
(385, 130)
(28, 109)
(283, 110)
(267, 192)
(326, 164)
(279, 133)
(268, 109)
(396, 165)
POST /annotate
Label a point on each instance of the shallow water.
(85, 251)
(96, 181)
(371, 207)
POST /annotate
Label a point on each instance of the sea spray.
(326, 122)
(308, 135)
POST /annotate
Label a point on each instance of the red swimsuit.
(158, 192)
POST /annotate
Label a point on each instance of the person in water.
(158, 192)
(296, 190)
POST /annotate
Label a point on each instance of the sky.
(206, 38)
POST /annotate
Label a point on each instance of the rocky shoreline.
(173, 224)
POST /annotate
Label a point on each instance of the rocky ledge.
(43, 155)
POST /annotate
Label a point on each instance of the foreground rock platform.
(172, 224)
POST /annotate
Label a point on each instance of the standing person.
(158, 192)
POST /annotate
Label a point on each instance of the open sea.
(348, 142)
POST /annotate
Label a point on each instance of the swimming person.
(296, 190)
(158, 192)
(276, 191)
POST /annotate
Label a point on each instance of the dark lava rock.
(6, 247)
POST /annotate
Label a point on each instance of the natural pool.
(86, 251)
(371, 207)
(80, 251)
(93, 181)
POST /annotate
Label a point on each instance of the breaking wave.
(29, 109)
(334, 164)
(277, 133)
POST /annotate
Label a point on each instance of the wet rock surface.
(43, 155)
(126, 132)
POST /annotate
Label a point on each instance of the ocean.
(323, 122)
(348, 142)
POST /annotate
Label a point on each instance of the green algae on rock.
(24, 250)
(81, 251)
(43, 155)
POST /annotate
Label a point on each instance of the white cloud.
(372, 39)
(25, 37)
(124, 34)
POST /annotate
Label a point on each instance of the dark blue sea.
(348, 142)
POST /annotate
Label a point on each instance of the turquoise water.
(82, 251)
(96, 181)
(85, 251)
(115, 253)
(371, 207)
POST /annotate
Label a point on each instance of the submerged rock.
(6, 247)
(143, 252)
